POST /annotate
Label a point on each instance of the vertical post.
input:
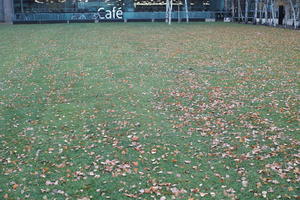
(246, 12)
(239, 10)
(8, 11)
(260, 11)
(266, 12)
(186, 11)
(273, 12)
(255, 12)
(286, 11)
(167, 11)
(294, 14)
(169, 7)
(170, 11)
(178, 12)
(22, 6)
(232, 10)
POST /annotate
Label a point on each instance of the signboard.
(110, 14)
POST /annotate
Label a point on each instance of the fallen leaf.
(153, 151)
(135, 138)
(15, 186)
(130, 195)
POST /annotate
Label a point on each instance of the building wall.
(89, 10)
(6, 11)
(1, 11)
(65, 6)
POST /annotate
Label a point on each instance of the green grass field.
(149, 111)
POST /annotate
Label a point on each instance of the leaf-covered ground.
(149, 111)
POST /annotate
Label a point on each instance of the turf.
(149, 111)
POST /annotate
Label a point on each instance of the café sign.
(114, 13)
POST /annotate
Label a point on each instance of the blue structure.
(24, 11)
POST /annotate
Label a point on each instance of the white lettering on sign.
(110, 14)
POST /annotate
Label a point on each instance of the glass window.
(27, 6)
(58, 6)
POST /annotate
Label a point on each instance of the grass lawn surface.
(149, 111)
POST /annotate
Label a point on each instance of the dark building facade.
(1, 12)
(6, 11)
(105, 10)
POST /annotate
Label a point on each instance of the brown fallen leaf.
(84, 198)
(62, 165)
(135, 138)
(195, 190)
(130, 195)
(15, 186)
(28, 148)
(258, 185)
(202, 194)
(153, 151)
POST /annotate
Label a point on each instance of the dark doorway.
(281, 15)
